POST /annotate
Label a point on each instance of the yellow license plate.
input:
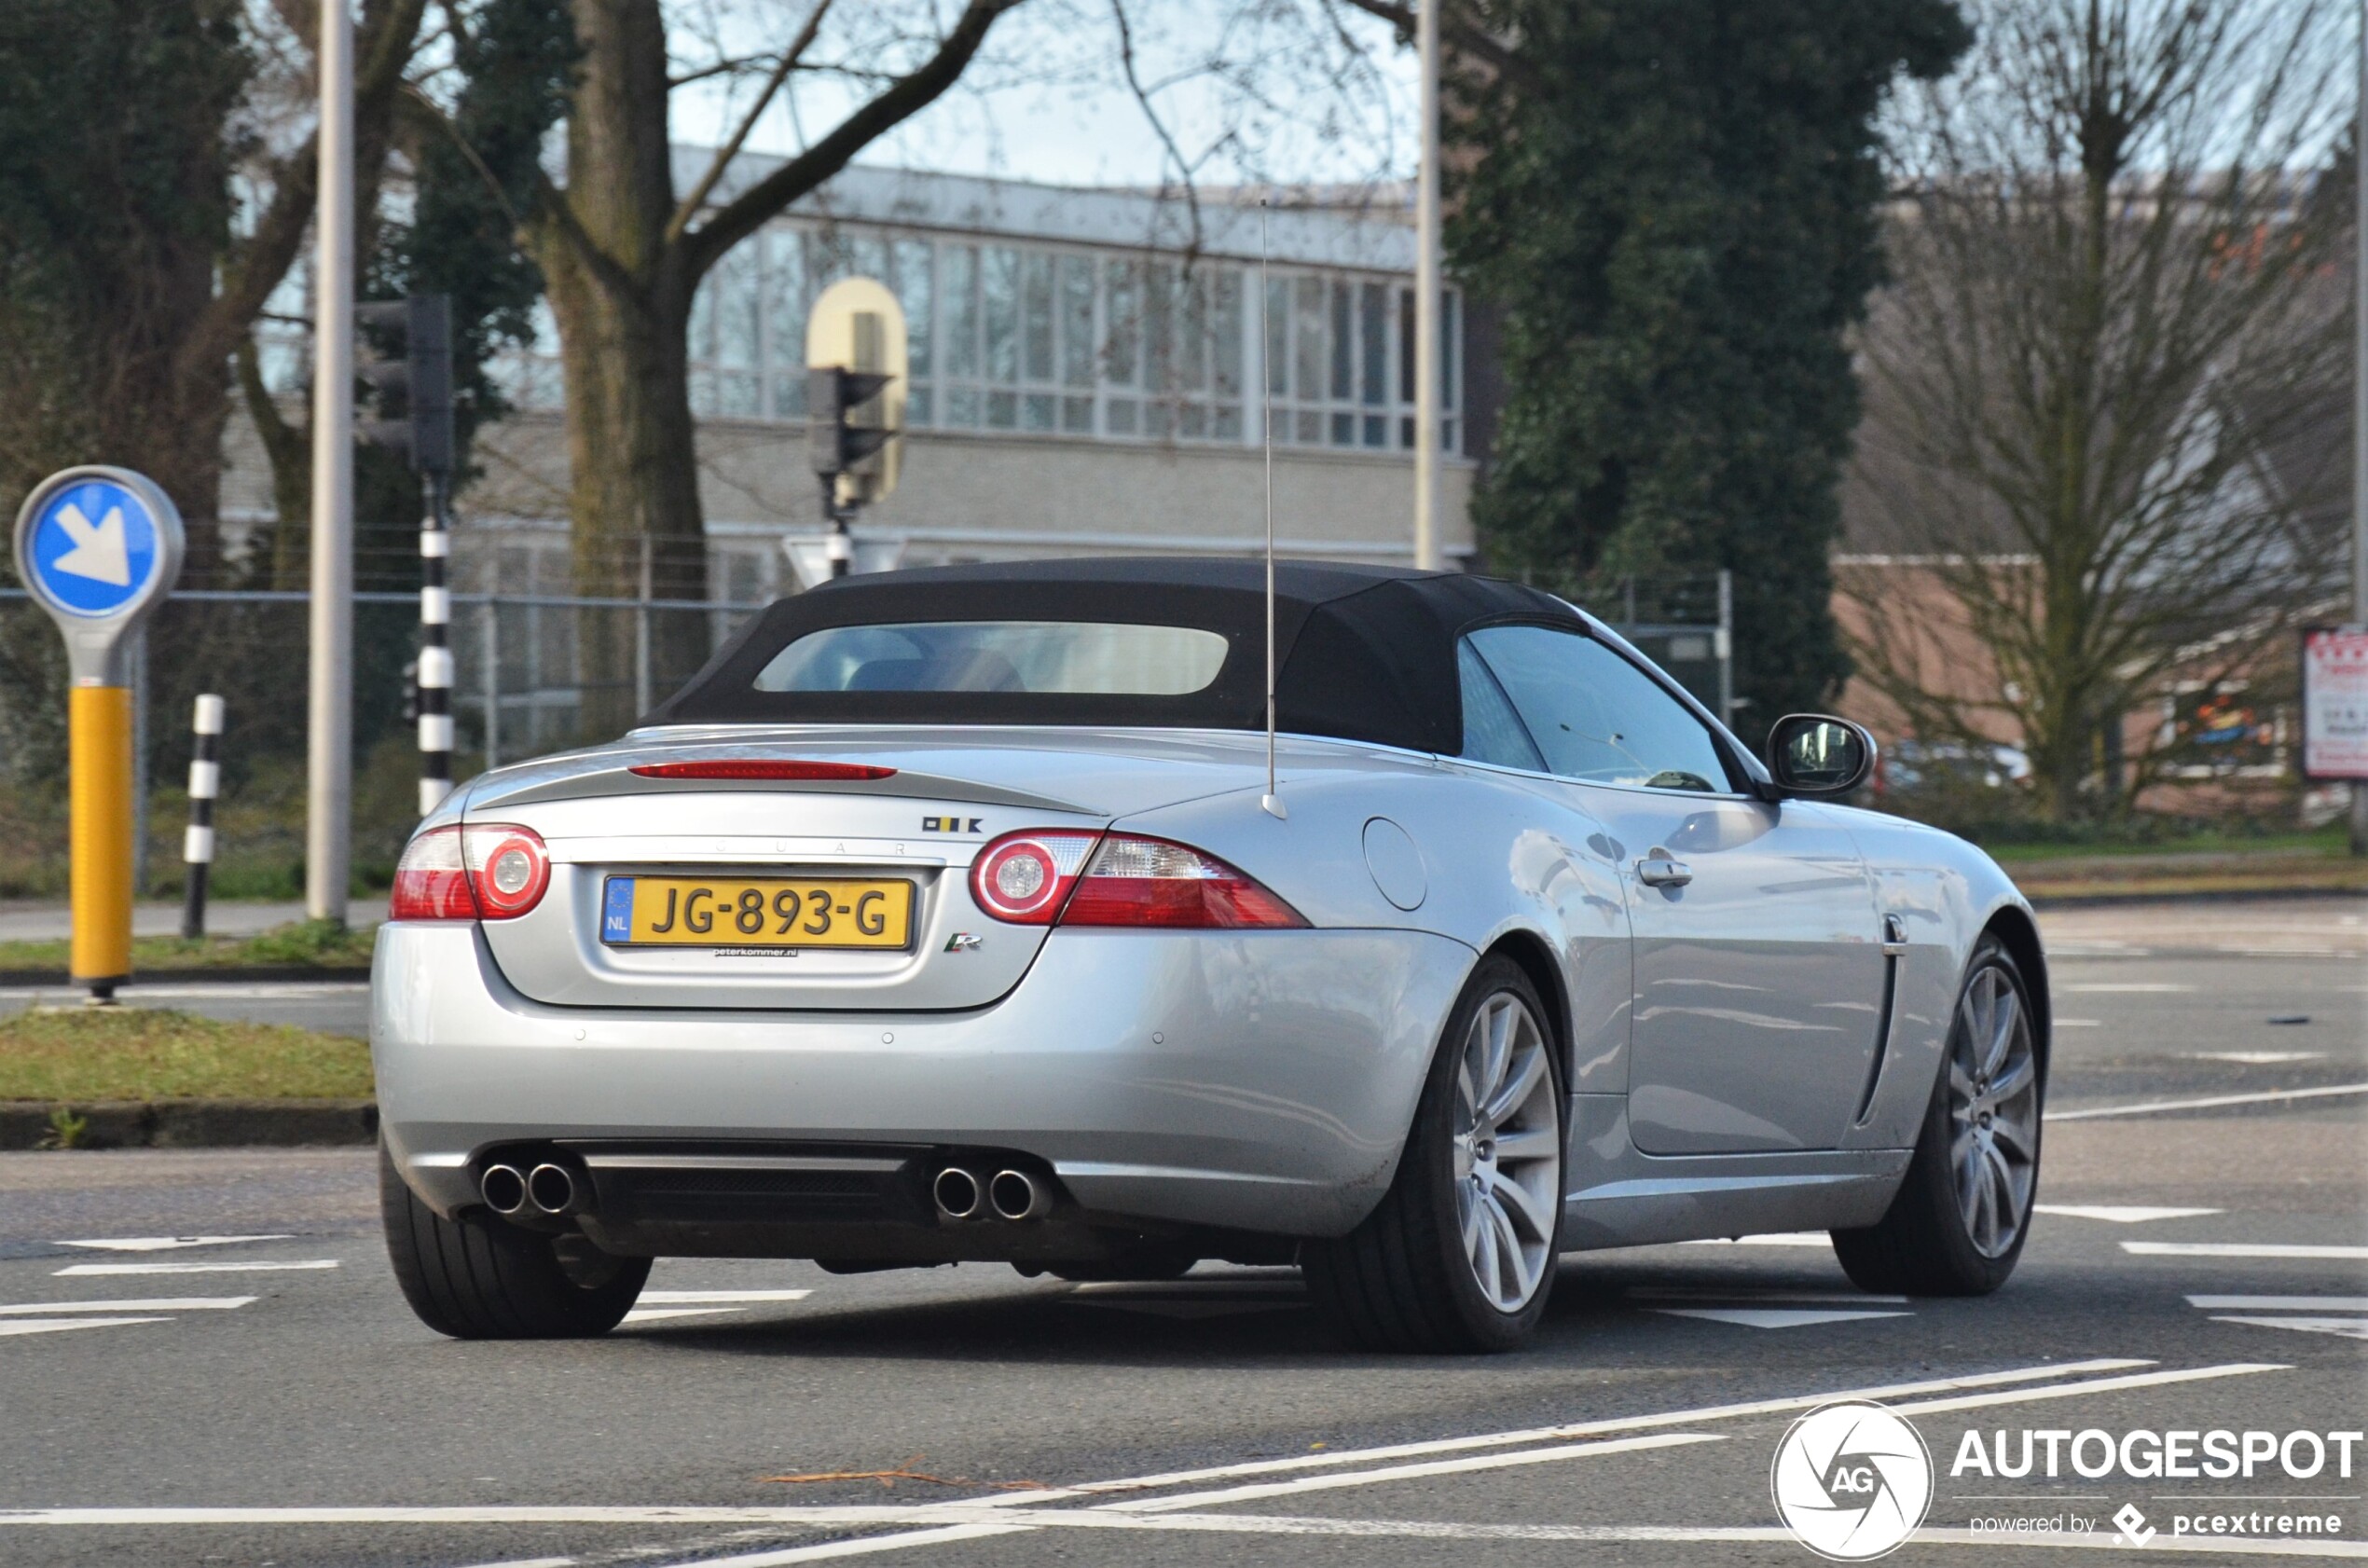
(755, 911)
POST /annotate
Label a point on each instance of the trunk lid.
(951, 793)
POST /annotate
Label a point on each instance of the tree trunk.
(619, 297)
(635, 479)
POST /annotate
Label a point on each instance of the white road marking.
(60, 1324)
(1209, 1285)
(150, 1304)
(2258, 1058)
(653, 1315)
(2240, 1249)
(1773, 1317)
(2080, 1023)
(2098, 1385)
(1184, 1309)
(192, 1268)
(2280, 1303)
(168, 1244)
(2119, 1215)
(1774, 1238)
(1745, 1293)
(1002, 1523)
(946, 1522)
(2266, 1096)
(702, 1298)
(1386, 1473)
(2122, 986)
(2349, 1327)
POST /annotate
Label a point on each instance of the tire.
(1429, 1270)
(1957, 1223)
(477, 1279)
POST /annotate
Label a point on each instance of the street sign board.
(2334, 703)
(97, 548)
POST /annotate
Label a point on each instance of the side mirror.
(1812, 755)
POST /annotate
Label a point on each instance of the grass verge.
(302, 944)
(156, 1053)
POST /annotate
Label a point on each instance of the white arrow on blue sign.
(94, 548)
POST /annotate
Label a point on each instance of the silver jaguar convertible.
(954, 915)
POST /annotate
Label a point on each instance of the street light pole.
(2360, 394)
(1426, 300)
(329, 710)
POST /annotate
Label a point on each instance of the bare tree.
(2114, 311)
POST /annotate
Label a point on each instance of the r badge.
(963, 942)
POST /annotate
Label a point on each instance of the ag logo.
(1852, 1481)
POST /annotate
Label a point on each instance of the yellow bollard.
(99, 768)
(98, 547)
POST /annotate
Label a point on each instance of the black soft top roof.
(1364, 653)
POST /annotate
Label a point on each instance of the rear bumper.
(1256, 1081)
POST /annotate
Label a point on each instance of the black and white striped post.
(205, 783)
(436, 651)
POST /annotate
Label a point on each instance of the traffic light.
(414, 391)
(832, 396)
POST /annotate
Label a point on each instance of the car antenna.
(1271, 802)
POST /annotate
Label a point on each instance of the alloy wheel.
(1993, 1111)
(1507, 1152)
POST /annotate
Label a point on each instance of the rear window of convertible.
(1086, 658)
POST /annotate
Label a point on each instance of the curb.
(2099, 898)
(195, 1123)
(275, 974)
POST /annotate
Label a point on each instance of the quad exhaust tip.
(503, 1187)
(958, 1193)
(1017, 1196)
(552, 1187)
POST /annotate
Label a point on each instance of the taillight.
(1046, 877)
(1022, 878)
(763, 767)
(430, 881)
(508, 868)
(1150, 881)
(486, 871)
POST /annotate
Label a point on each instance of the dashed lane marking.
(61, 1325)
(2241, 1249)
(1773, 1317)
(2280, 1303)
(85, 1269)
(2117, 1214)
(2348, 1327)
(1773, 1238)
(148, 1304)
(710, 1298)
(1747, 1293)
(168, 1244)
(2209, 1102)
(2133, 986)
(2256, 1058)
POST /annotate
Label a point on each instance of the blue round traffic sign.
(94, 548)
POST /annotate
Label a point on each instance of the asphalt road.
(2197, 1267)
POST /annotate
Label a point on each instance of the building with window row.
(1085, 371)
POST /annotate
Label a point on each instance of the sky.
(1047, 99)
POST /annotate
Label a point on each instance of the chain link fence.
(528, 681)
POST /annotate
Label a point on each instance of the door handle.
(1658, 871)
